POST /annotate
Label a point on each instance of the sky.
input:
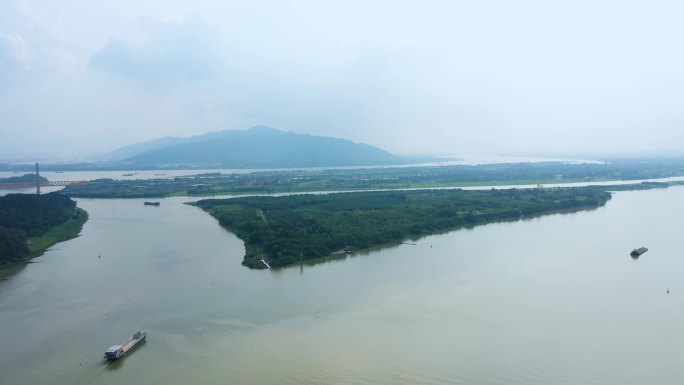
(79, 78)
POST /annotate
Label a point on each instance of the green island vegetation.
(289, 229)
(378, 179)
(30, 223)
(26, 178)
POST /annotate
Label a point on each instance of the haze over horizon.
(530, 77)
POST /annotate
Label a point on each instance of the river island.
(287, 230)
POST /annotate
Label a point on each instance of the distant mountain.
(161, 143)
(139, 148)
(258, 147)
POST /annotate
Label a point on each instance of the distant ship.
(637, 252)
(118, 351)
(152, 203)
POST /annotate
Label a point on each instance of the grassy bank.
(30, 223)
(68, 230)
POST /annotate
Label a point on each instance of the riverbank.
(38, 245)
(31, 223)
(67, 230)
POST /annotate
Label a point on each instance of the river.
(549, 300)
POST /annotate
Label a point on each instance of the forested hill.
(24, 216)
(26, 178)
(284, 230)
(263, 147)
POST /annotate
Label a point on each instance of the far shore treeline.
(286, 181)
(31, 223)
(290, 229)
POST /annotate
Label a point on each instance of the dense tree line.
(285, 230)
(28, 215)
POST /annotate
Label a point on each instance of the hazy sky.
(542, 77)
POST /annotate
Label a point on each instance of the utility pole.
(37, 180)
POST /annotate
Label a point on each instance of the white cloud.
(15, 49)
(172, 53)
(435, 76)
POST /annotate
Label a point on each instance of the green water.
(551, 300)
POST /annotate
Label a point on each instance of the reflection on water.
(551, 300)
(114, 365)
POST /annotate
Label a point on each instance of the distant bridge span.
(42, 184)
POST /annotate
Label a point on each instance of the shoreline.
(340, 254)
(619, 184)
(39, 245)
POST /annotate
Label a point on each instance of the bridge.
(38, 183)
(42, 184)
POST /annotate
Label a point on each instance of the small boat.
(117, 351)
(152, 203)
(637, 252)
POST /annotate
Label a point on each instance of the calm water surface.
(551, 300)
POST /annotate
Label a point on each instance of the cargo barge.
(637, 252)
(117, 351)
